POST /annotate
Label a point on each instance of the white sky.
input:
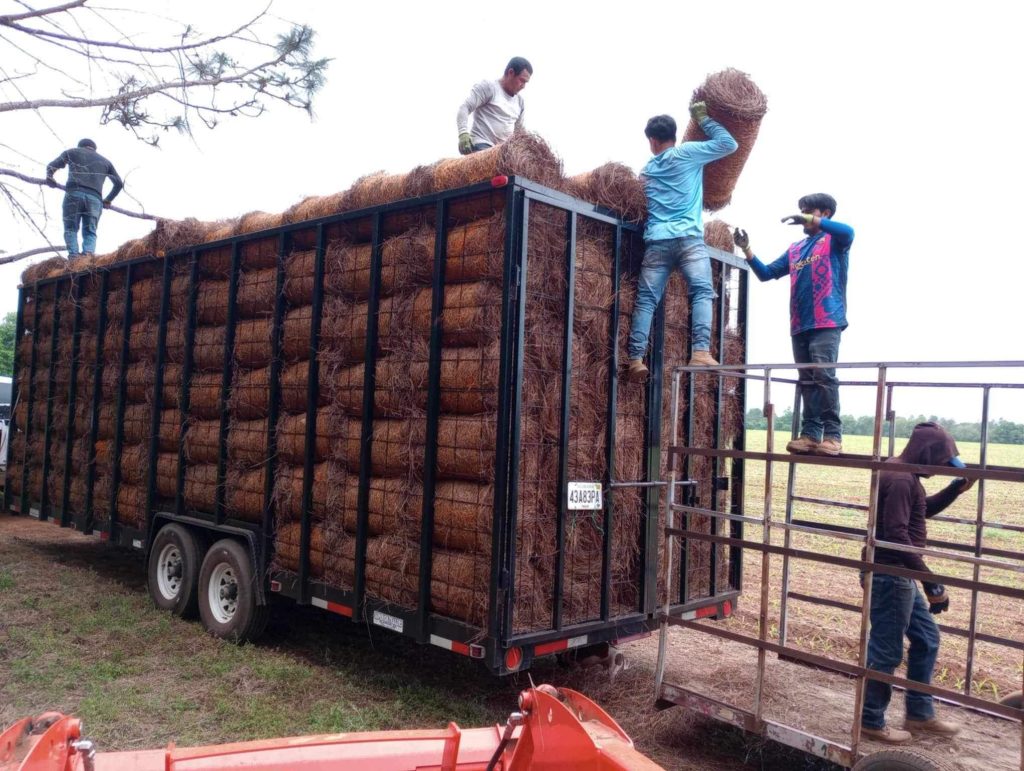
(904, 111)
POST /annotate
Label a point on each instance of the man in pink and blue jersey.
(817, 268)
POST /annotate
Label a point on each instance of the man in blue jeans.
(898, 609)
(817, 267)
(674, 236)
(83, 197)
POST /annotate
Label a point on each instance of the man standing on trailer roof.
(497, 108)
(674, 236)
(898, 610)
(817, 268)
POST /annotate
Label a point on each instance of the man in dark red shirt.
(898, 610)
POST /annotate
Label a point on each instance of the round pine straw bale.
(400, 387)
(146, 299)
(735, 101)
(466, 446)
(250, 393)
(202, 441)
(131, 505)
(315, 206)
(291, 437)
(394, 506)
(42, 269)
(256, 292)
(207, 346)
(167, 474)
(347, 267)
(463, 514)
(136, 423)
(330, 484)
(138, 381)
(134, 464)
(469, 378)
(212, 302)
(258, 220)
(215, 264)
(170, 430)
(298, 268)
(201, 487)
(719, 235)
(471, 313)
(260, 254)
(221, 229)
(614, 186)
(374, 190)
(247, 442)
(295, 331)
(253, 342)
(244, 493)
(344, 330)
(295, 390)
(523, 154)
(204, 395)
(396, 444)
(171, 235)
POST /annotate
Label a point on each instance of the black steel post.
(126, 328)
(51, 382)
(611, 410)
(433, 412)
(26, 501)
(19, 333)
(185, 397)
(369, 406)
(274, 406)
(312, 400)
(97, 394)
(166, 278)
(220, 507)
(691, 494)
(69, 437)
(563, 422)
(510, 288)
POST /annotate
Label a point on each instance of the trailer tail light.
(499, 181)
(334, 607)
(513, 658)
(275, 586)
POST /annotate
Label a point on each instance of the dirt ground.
(78, 633)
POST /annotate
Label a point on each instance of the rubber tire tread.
(900, 760)
(246, 617)
(187, 604)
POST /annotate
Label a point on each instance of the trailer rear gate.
(389, 407)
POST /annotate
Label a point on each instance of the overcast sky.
(902, 111)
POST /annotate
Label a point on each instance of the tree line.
(1000, 431)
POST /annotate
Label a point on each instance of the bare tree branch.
(41, 12)
(44, 183)
(31, 252)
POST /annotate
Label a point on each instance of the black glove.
(937, 599)
(740, 238)
(51, 182)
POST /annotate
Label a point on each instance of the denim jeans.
(899, 610)
(478, 146)
(690, 255)
(83, 209)
(819, 388)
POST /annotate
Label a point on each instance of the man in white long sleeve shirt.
(496, 106)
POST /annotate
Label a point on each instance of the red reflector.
(499, 181)
(726, 608)
(551, 647)
(513, 658)
(710, 610)
(275, 586)
(104, 535)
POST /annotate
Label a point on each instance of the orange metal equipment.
(555, 729)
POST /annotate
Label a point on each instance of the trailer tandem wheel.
(173, 570)
(228, 605)
(899, 760)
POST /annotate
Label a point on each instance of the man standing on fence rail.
(674, 236)
(497, 108)
(817, 268)
(898, 610)
(83, 197)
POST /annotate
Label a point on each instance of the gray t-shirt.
(495, 114)
(86, 171)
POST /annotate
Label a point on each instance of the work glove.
(799, 219)
(465, 143)
(699, 111)
(741, 239)
(937, 599)
(106, 204)
(51, 182)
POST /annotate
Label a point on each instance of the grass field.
(997, 669)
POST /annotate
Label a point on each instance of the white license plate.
(387, 621)
(584, 496)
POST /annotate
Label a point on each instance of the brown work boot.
(932, 726)
(702, 359)
(886, 734)
(637, 371)
(828, 446)
(802, 446)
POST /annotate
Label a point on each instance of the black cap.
(87, 143)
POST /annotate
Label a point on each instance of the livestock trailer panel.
(409, 414)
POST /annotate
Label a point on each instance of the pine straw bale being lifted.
(201, 487)
(735, 101)
(256, 292)
(523, 154)
(331, 484)
(247, 442)
(244, 493)
(471, 313)
(719, 235)
(614, 186)
(204, 395)
(254, 343)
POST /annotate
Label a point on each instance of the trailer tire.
(227, 593)
(899, 760)
(173, 570)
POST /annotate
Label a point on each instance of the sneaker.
(932, 726)
(637, 370)
(828, 446)
(886, 734)
(802, 446)
(702, 359)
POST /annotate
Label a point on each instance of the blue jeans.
(83, 209)
(478, 146)
(819, 388)
(899, 610)
(690, 255)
